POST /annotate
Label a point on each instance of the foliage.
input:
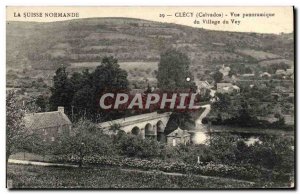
(245, 108)
(62, 90)
(81, 92)
(37, 104)
(115, 128)
(133, 146)
(217, 76)
(178, 119)
(270, 160)
(85, 139)
(16, 133)
(173, 69)
(244, 172)
(107, 178)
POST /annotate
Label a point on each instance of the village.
(130, 103)
(52, 124)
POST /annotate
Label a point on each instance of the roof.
(46, 120)
(224, 70)
(179, 133)
(280, 71)
(265, 74)
(203, 84)
(236, 87)
(226, 88)
(224, 85)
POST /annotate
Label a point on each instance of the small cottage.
(178, 136)
(280, 72)
(48, 125)
(227, 88)
(265, 75)
(224, 70)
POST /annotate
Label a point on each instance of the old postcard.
(150, 97)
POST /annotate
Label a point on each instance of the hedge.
(245, 172)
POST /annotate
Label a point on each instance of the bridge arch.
(160, 130)
(160, 126)
(136, 130)
(150, 131)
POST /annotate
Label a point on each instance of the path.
(204, 114)
(26, 162)
(181, 174)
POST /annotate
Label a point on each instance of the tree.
(41, 102)
(62, 90)
(218, 76)
(134, 146)
(84, 140)
(83, 100)
(173, 69)
(83, 90)
(115, 128)
(15, 128)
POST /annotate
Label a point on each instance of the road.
(26, 162)
(203, 115)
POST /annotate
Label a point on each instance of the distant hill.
(35, 50)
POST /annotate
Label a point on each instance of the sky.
(280, 22)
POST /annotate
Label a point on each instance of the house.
(48, 125)
(222, 85)
(234, 78)
(202, 86)
(280, 72)
(227, 79)
(224, 70)
(178, 136)
(265, 74)
(227, 88)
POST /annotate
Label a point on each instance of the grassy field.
(258, 55)
(138, 71)
(61, 177)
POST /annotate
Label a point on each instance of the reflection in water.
(199, 137)
(201, 133)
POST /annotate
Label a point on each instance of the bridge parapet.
(135, 120)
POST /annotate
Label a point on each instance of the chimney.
(61, 109)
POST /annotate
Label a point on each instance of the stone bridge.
(150, 125)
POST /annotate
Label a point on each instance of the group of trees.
(15, 129)
(82, 91)
(245, 108)
(173, 71)
(276, 154)
(271, 152)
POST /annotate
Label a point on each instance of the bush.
(133, 146)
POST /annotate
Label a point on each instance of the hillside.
(35, 50)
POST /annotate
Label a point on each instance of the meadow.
(37, 177)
